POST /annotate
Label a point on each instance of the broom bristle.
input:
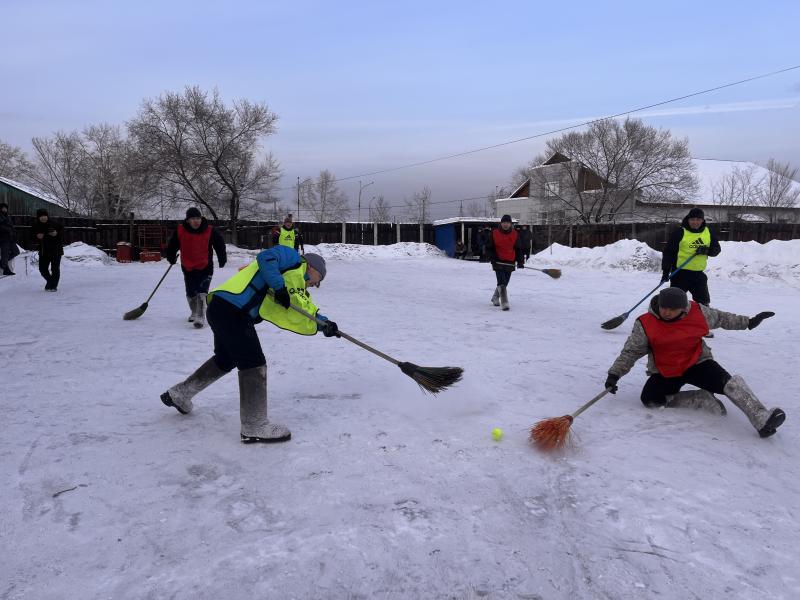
(554, 273)
(432, 379)
(135, 313)
(551, 434)
(614, 323)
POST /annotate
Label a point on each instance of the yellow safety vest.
(287, 236)
(271, 311)
(688, 247)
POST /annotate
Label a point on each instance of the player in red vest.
(195, 238)
(505, 251)
(671, 334)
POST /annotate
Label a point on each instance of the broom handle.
(159, 283)
(589, 403)
(349, 338)
(671, 275)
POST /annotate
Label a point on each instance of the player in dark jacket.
(195, 238)
(8, 240)
(505, 251)
(51, 248)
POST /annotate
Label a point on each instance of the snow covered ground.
(384, 492)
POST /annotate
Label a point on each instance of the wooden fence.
(154, 234)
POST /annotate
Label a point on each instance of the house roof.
(711, 172)
(467, 220)
(30, 190)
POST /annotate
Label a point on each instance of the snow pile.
(630, 255)
(776, 259)
(352, 251)
(390, 252)
(78, 252)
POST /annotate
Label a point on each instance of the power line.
(562, 129)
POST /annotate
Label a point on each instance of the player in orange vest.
(671, 335)
(195, 238)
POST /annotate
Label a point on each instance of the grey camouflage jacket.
(636, 346)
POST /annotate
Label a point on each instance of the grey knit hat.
(316, 262)
(673, 297)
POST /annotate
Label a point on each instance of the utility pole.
(298, 197)
(360, 189)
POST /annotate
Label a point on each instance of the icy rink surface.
(384, 492)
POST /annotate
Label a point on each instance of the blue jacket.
(272, 263)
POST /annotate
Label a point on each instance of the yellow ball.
(497, 434)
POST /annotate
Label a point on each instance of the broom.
(618, 320)
(429, 379)
(550, 434)
(554, 273)
(139, 310)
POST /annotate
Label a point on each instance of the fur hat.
(193, 212)
(316, 262)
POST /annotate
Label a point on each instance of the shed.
(23, 199)
(448, 231)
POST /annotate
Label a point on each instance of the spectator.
(50, 236)
(8, 240)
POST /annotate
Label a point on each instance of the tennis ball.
(497, 434)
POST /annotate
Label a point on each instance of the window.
(552, 188)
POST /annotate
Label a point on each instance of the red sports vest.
(504, 244)
(194, 248)
(677, 345)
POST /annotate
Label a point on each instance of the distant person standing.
(693, 239)
(8, 240)
(461, 250)
(195, 238)
(288, 235)
(526, 239)
(505, 252)
(50, 236)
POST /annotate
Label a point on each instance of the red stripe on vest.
(677, 345)
(194, 248)
(504, 244)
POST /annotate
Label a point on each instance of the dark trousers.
(5, 254)
(198, 282)
(707, 375)
(50, 269)
(503, 277)
(236, 343)
(694, 283)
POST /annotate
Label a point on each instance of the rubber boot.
(256, 427)
(192, 307)
(180, 396)
(504, 298)
(766, 421)
(697, 400)
(200, 312)
(496, 296)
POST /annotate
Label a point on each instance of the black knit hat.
(673, 297)
(193, 212)
(42, 212)
(696, 213)
(3, 205)
(506, 219)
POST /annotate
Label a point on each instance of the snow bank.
(630, 255)
(78, 252)
(354, 251)
(776, 259)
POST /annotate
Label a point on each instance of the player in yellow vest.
(694, 238)
(288, 235)
(262, 291)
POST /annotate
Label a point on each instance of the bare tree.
(380, 212)
(323, 199)
(611, 164)
(62, 170)
(14, 163)
(204, 148)
(418, 206)
(779, 189)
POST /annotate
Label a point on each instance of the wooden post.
(570, 235)
(130, 229)
(374, 234)
(344, 233)
(421, 233)
(398, 233)
(730, 231)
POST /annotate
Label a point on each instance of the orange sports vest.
(194, 248)
(677, 345)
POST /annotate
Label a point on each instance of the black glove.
(172, 259)
(520, 265)
(756, 321)
(330, 329)
(665, 276)
(702, 251)
(611, 383)
(222, 263)
(282, 297)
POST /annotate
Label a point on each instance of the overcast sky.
(360, 87)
